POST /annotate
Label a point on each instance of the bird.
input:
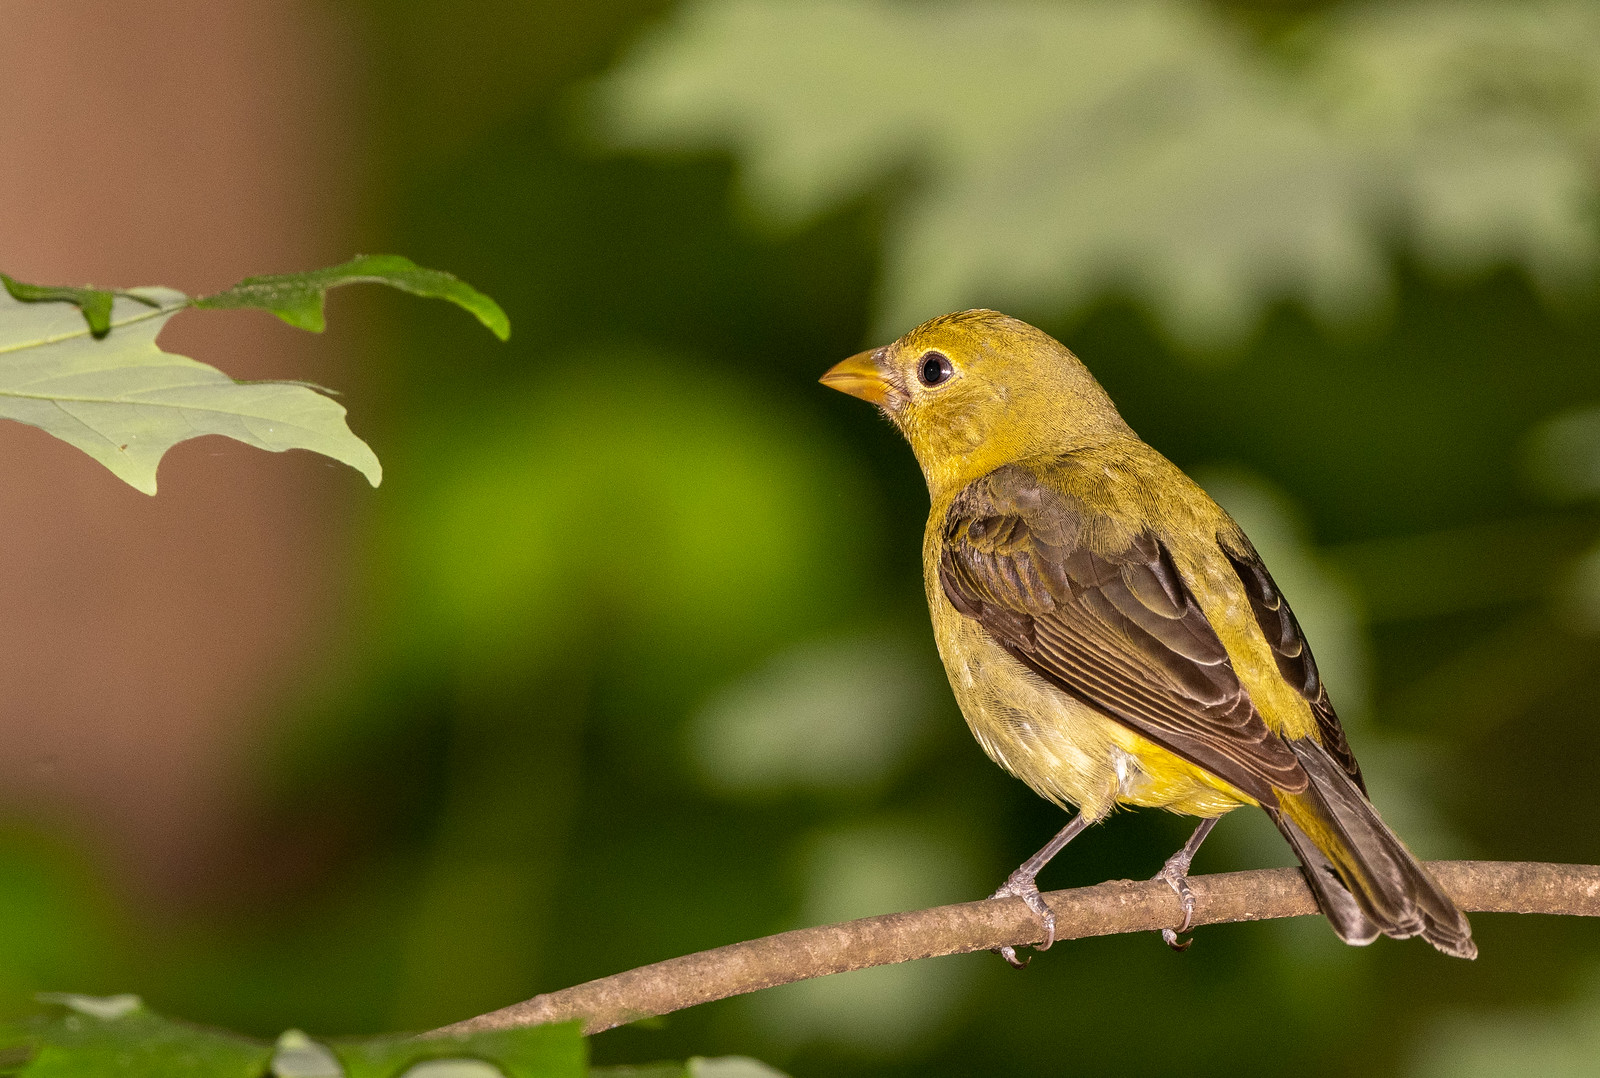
(1111, 635)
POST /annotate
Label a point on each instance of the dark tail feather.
(1365, 879)
(1335, 900)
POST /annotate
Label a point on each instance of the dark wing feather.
(1120, 630)
(1289, 647)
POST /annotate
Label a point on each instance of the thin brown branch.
(1102, 910)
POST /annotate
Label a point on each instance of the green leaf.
(696, 1067)
(297, 298)
(731, 1067)
(117, 1036)
(298, 1056)
(125, 402)
(95, 303)
(556, 1051)
(454, 1068)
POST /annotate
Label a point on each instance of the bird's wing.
(1293, 654)
(1119, 630)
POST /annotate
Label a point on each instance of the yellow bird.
(1111, 635)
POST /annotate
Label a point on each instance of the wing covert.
(1117, 629)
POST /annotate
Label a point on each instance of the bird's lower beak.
(860, 376)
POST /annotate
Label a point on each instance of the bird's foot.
(1023, 887)
(1176, 874)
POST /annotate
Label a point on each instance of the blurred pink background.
(187, 143)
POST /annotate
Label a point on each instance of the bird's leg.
(1176, 873)
(1020, 884)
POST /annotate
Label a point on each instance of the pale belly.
(1066, 751)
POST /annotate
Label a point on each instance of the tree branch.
(1103, 910)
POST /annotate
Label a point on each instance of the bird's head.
(976, 390)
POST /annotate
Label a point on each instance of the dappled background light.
(629, 656)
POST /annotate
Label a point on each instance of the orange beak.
(860, 376)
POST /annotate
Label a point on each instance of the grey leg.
(1020, 884)
(1176, 872)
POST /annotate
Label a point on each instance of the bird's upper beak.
(862, 375)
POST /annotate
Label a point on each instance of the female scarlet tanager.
(1111, 635)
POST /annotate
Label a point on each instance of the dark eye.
(935, 368)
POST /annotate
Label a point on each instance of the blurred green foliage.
(621, 559)
(1070, 147)
(116, 1035)
(99, 1036)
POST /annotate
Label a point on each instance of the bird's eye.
(935, 368)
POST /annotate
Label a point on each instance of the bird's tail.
(1364, 878)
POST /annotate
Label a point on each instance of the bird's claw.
(1176, 876)
(1025, 889)
(1169, 936)
(1010, 955)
